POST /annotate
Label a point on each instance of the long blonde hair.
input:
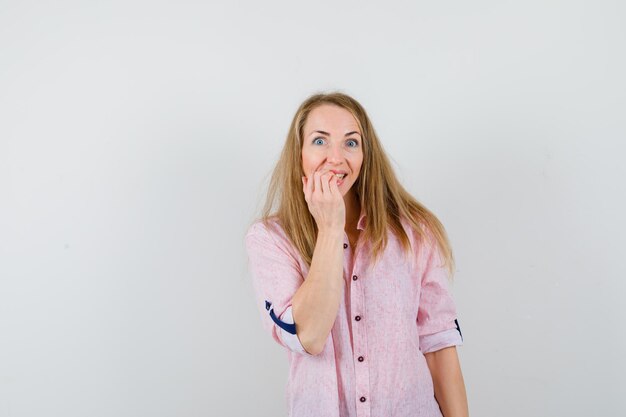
(382, 197)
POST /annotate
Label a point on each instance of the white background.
(136, 140)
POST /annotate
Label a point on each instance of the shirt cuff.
(440, 340)
(291, 340)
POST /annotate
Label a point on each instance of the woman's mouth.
(340, 178)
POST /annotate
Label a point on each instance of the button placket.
(359, 335)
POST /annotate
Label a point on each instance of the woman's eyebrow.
(328, 134)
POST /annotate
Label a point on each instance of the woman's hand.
(325, 201)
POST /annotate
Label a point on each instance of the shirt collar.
(362, 218)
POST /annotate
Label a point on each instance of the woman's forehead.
(328, 117)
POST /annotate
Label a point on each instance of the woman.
(350, 274)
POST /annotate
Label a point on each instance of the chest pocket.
(393, 285)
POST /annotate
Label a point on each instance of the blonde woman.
(350, 274)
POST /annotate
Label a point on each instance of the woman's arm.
(316, 303)
(448, 382)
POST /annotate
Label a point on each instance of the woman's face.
(332, 141)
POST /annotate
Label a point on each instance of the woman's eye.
(353, 141)
(317, 139)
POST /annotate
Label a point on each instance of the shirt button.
(357, 318)
(345, 245)
(362, 399)
(354, 277)
(360, 358)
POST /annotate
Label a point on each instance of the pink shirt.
(372, 364)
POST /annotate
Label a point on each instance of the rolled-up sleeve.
(437, 320)
(276, 277)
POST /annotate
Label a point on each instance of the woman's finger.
(305, 189)
(334, 188)
(317, 186)
(310, 181)
(326, 178)
(309, 185)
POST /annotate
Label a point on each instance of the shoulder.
(269, 228)
(422, 239)
(420, 234)
(269, 236)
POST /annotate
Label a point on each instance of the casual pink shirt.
(372, 364)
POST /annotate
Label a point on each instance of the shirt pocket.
(395, 289)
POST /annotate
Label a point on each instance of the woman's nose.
(334, 153)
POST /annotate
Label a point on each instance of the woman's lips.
(340, 181)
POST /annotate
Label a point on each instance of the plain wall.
(137, 138)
